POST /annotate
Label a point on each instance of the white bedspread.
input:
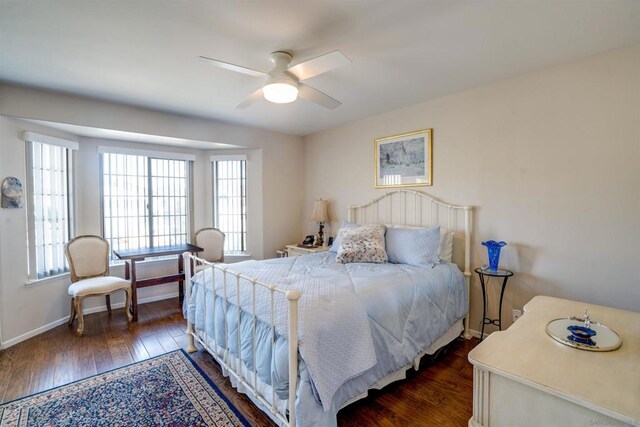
(334, 333)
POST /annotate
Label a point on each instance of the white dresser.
(523, 378)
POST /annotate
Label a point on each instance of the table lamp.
(320, 216)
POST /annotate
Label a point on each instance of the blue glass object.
(581, 332)
(493, 248)
(587, 341)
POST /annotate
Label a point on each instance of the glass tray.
(604, 340)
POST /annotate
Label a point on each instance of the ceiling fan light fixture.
(282, 84)
(280, 93)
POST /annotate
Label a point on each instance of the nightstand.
(500, 273)
(295, 250)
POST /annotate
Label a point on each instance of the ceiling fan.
(283, 83)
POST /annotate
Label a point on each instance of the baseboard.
(476, 334)
(45, 328)
(33, 333)
(121, 304)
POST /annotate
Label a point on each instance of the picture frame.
(404, 160)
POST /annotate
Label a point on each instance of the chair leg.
(80, 329)
(108, 299)
(127, 305)
(73, 311)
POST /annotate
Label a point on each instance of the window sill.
(38, 282)
(236, 257)
(246, 254)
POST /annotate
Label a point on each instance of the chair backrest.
(88, 256)
(212, 241)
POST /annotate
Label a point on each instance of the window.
(145, 200)
(230, 200)
(49, 203)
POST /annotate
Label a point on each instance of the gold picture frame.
(404, 160)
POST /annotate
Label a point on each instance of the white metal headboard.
(417, 208)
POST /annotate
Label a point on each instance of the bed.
(305, 336)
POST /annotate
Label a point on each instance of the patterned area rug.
(168, 390)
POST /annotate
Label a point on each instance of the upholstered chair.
(212, 241)
(88, 258)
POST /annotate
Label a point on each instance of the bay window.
(145, 199)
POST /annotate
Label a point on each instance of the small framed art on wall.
(404, 160)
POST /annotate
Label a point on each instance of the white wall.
(550, 160)
(23, 308)
(276, 171)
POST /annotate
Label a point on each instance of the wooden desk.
(130, 257)
(522, 377)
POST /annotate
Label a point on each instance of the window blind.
(230, 200)
(145, 201)
(49, 208)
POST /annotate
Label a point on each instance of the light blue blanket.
(408, 307)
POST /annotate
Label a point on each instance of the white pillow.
(413, 246)
(363, 244)
(445, 245)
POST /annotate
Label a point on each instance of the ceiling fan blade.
(250, 100)
(320, 64)
(314, 95)
(233, 67)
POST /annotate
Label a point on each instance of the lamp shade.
(320, 211)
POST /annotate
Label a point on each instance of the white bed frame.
(405, 207)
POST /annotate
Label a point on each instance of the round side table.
(482, 273)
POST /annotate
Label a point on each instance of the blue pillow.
(337, 242)
(413, 246)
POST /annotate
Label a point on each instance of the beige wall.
(275, 161)
(550, 160)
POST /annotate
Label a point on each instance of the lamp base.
(320, 239)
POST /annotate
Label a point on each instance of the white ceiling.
(403, 52)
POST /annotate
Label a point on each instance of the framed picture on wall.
(404, 160)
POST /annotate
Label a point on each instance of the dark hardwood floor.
(439, 394)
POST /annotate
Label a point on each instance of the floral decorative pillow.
(338, 240)
(363, 244)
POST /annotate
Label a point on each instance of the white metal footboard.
(247, 378)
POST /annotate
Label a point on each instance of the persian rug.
(168, 390)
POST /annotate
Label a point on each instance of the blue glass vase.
(493, 248)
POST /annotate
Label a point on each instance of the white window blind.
(145, 201)
(230, 200)
(49, 205)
